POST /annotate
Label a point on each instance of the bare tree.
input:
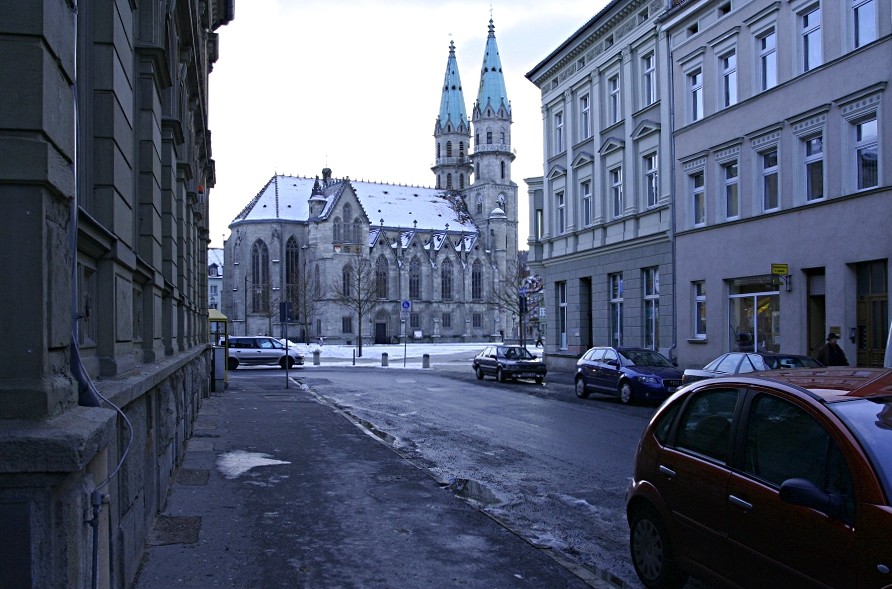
(357, 290)
(506, 292)
(304, 293)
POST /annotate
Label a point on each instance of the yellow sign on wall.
(780, 269)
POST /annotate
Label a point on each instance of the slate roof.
(389, 205)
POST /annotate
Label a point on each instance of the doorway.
(817, 310)
(872, 317)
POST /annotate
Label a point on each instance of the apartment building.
(601, 214)
(782, 204)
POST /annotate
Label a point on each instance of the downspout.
(673, 351)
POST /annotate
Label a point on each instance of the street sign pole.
(406, 307)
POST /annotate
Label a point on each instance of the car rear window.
(871, 422)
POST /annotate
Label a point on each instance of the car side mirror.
(805, 493)
(612, 362)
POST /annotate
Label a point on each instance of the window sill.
(698, 341)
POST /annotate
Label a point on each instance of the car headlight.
(649, 379)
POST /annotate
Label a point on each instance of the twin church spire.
(455, 165)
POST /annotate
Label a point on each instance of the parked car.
(741, 362)
(509, 362)
(261, 350)
(775, 479)
(632, 374)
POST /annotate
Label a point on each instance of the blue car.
(632, 374)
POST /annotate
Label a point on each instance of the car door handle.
(740, 502)
(667, 471)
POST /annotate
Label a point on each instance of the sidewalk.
(279, 490)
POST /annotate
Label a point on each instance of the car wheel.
(581, 389)
(625, 393)
(233, 363)
(651, 552)
(479, 372)
(500, 376)
(286, 361)
(539, 380)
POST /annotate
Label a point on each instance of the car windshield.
(871, 422)
(515, 353)
(779, 362)
(645, 358)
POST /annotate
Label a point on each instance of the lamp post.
(246, 303)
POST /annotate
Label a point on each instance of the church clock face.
(501, 201)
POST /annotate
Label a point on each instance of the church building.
(438, 263)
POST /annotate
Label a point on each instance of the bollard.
(426, 361)
(315, 357)
(384, 359)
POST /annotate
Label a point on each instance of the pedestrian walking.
(831, 354)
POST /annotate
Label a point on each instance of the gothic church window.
(337, 236)
(381, 277)
(477, 280)
(347, 280)
(461, 149)
(415, 279)
(292, 268)
(259, 277)
(448, 149)
(448, 181)
(446, 280)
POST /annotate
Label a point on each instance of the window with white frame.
(616, 309)
(614, 109)
(814, 167)
(561, 291)
(560, 213)
(770, 187)
(698, 198)
(585, 126)
(651, 179)
(767, 43)
(585, 194)
(558, 132)
(699, 309)
(616, 190)
(651, 299)
(810, 23)
(728, 63)
(866, 152)
(864, 20)
(695, 87)
(730, 173)
(648, 79)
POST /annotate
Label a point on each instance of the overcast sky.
(355, 85)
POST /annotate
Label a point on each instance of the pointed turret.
(492, 91)
(452, 133)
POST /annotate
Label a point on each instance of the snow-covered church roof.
(285, 198)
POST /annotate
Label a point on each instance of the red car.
(780, 479)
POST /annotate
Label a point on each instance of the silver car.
(261, 351)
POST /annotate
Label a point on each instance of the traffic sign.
(780, 269)
(406, 305)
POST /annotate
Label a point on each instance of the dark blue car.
(632, 374)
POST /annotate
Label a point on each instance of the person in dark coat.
(831, 354)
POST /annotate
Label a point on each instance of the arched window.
(448, 181)
(415, 279)
(448, 149)
(348, 214)
(461, 181)
(438, 151)
(461, 149)
(357, 229)
(317, 282)
(446, 279)
(381, 277)
(260, 286)
(479, 205)
(477, 280)
(337, 235)
(347, 280)
(292, 269)
(503, 169)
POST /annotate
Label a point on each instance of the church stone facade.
(441, 258)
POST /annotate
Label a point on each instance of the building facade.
(601, 215)
(215, 277)
(780, 134)
(439, 260)
(106, 169)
